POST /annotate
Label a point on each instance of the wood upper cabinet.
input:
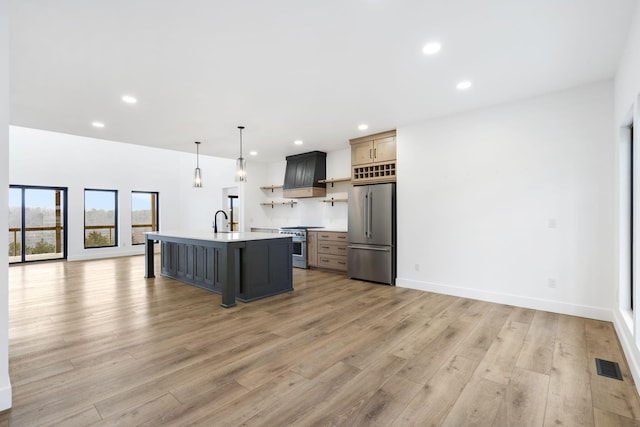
(373, 158)
(362, 153)
(384, 149)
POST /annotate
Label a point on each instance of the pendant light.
(197, 177)
(241, 164)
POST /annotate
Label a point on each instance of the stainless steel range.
(299, 237)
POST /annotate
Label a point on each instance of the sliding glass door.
(37, 223)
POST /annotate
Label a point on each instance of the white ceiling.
(292, 69)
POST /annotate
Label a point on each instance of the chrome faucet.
(215, 219)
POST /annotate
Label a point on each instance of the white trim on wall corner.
(98, 254)
(628, 347)
(5, 397)
(509, 299)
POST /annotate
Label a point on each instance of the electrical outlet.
(417, 267)
(551, 283)
(552, 223)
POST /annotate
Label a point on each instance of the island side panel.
(267, 268)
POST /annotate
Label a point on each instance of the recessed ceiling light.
(298, 142)
(97, 124)
(129, 99)
(253, 153)
(363, 126)
(465, 84)
(431, 48)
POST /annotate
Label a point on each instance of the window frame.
(157, 209)
(115, 219)
(65, 221)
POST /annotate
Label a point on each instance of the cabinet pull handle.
(375, 153)
(370, 154)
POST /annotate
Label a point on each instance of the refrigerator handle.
(365, 214)
(370, 215)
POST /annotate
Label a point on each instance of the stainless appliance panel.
(372, 263)
(381, 215)
(371, 214)
(357, 214)
(299, 255)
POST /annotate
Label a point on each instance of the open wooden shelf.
(332, 200)
(272, 204)
(334, 180)
(270, 187)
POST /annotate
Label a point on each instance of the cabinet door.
(203, 266)
(362, 153)
(183, 268)
(312, 248)
(169, 258)
(384, 149)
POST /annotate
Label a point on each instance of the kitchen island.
(243, 266)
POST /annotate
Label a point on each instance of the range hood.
(302, 174)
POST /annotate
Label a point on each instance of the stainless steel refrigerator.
(372, 233)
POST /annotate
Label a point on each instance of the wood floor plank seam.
(94, 343)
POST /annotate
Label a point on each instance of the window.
(144, 215)
(100, 213)
(37, 223)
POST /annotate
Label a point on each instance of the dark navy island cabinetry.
(243, 266)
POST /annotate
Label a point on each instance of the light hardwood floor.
(94, 343)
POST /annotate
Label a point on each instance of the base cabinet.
(327, 250)
(264, 267)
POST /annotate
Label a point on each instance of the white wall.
(626, 98)
(53, 159)
(495, 203)
(307, 211)
(5, 383)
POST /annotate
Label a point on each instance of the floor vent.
(609, 369)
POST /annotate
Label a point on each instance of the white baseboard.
(5, 397)
(630, 350)
(90, 255)
(510, 299)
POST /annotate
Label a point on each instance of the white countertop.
(333, 229)
(275, 229)
(220, 237)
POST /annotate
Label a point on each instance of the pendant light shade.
(197, 176)
(241, 163)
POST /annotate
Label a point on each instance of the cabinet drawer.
(332, 235)
(332, 248)
(332, 262)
